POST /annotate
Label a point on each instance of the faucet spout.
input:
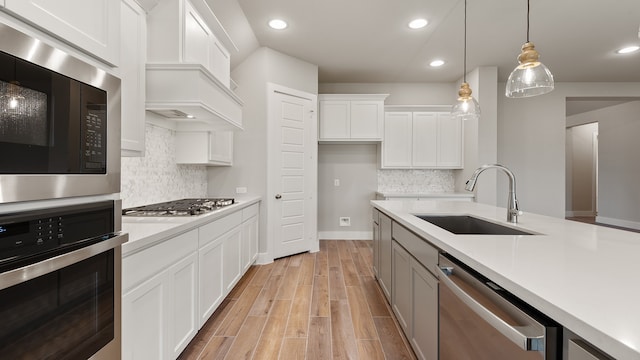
(512, 207)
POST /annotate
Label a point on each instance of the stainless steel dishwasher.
(480, 320)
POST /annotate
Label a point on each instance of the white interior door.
(292, 171)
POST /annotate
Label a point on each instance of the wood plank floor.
(325, 305)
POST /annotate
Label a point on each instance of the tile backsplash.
(156, 177)
(415, 181)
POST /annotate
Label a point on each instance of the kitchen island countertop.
(147, 231)
(581, 275)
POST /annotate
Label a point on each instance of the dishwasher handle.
(528, 342)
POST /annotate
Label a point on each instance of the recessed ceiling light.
(278, 24)
(418, 23)
(436, 63)
(628, 49)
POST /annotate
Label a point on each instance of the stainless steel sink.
(469, 225)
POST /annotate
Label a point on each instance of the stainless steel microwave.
(59, 123)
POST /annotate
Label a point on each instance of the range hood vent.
(193, 97)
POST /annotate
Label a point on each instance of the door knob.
(278, 196)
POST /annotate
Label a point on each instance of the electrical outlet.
(336, 182)
(241, 190)
(345, 221)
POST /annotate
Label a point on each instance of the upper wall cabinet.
(421, 140)
(188, 69)
(91, 26)
(178, 34)
(132, 74)
(351, 117)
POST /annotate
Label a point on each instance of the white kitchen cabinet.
(421, 140)
(213, 148)
(250, 236)
(219, 262)
(133, 41)
(385, 255)
(351, 117)
(90, 26)
(159, 299)
(178, 33)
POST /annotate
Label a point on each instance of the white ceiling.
(369, 41)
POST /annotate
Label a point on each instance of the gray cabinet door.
(385, 255)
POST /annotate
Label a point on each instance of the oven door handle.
(529, 337)
(26, 273)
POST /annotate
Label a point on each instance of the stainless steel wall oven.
(59, 123)
(60, 283)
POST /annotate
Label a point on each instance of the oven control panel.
(31, 233)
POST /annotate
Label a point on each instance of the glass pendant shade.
(467, 107)
(530, 77)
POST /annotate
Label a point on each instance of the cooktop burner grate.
(183, 207)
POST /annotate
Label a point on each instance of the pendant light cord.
(528, 11)
(464, 69)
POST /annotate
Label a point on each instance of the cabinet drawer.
(249, 212)
(424, 252)
(374, 215)
(215, 229)
(149, 262)
(579, 350)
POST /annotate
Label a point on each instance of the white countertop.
(146, 231)
(583, 276)
(426, 194)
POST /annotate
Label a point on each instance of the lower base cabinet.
(172, 288)
(158, 315)
(415, 303)
(385, 255)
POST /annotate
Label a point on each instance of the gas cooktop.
(183, 207)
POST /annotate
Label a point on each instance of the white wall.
(355, 166)
(619, 168)
(580, 170)
(250, 146)
(531, 141)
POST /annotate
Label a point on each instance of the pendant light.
(530, 77)
(467, 107)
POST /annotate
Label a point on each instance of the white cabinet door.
(178, 33)
(249, 242)
(401, 299)
(197, 38)
(232, 268)
(210, 259)
(424, 300)
(450, 141)
(366, 119)
(422, 140)
(182, 312)
(425, 139)
(396, 146)
(212, 148)
(133, 40)
(91, 26)
(334, 119)
(144, 320)
(221, 147)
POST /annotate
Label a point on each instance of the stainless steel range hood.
(191, 96)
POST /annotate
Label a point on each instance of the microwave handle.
(533, 342)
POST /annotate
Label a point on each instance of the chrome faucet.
(512, 209)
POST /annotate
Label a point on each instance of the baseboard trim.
(617, 222)
(345, 235)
